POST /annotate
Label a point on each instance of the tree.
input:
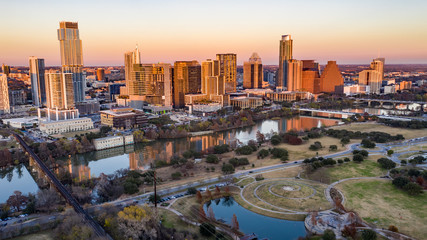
(390, 152)
(328, 234)
(227, 168)
(386, 163)
(400, 182)
(280, 153)
(368, 234)
(358, 158)
(212, 159)
(244, 150)
(345, 140)
(202, 214)
(72, 227)
(17, 201)
(260, 137)
(152, 199)
(413, 189)
(199, 197)
(192, 190)
(276, 139)
(176, 175)
(234, 223)
(208, 194)
(211, 214)
(207, 229)
(47, 200)
(366, 143)
(130, 187)
(138, 222)
(263, 153)
(333, 147)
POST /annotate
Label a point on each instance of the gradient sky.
(348, 31)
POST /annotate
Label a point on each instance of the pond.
(16, 178)
(250, 222)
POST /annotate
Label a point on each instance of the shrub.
(219, 149)
(390, 152)
(400, 182)
(333, 148)
(263, 153)
(366, 143)
(328, 234)
(364, 153)
(413, 189)
(192, 190)
(212, 159)
(368, 234)
(393, 228)
(279, 152)
(238, 161)
(386, 163)
(403, 162)
(259, 177)
(227, 168)
(358, 158)
(340, 161)
(188, 154)
(414, 172)
(276, 139)
(346, 159)
(244, 150)
(130, 188)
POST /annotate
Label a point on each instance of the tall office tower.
(372, 78)
(378, 65)
(228, 70)
(100, 74)
(4, 94)
(285, 54)
(253, 75)
(294, 75)
(131, 58)
(5, 69)
(72, 56)
(187, 79)
(152, 83)
(210, 73)
(310, 76)
(331, 77)
(59, 90)
(38, 85)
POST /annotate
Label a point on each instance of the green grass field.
(380, 203)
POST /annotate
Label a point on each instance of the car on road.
(295, 162)
(251, 171)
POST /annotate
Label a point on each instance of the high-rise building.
(5, 69)
(38, 85)
(100, 74)
(228, 70)
(210, 77)
(285, 54)
(187, 79)
(131, 58)
(294, 79)
(72, 56)
(151, 83)
(372, 78)
(4, 94)
(59, 90)
(310, 76)
(378, 65)
(253, 75)
(331, 77)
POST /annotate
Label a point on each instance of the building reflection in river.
(141, 156)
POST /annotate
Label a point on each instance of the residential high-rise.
(38, 85)
(5, 69)
(372, 78)
(378, 65)
(187, 79)
(294, 79)
(210, 78)
(253, 75)
(310, 76)
(131, 58)
(285, 54)
(72, 56)
(4, 94)
(152, 83)
(331, 77)
(228, 70)
(100, 74)
(59, 90)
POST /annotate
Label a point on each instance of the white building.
(389, 89)
(350, 90)
(62, 126)
(113, 141)
(22, 122)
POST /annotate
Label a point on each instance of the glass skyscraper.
(285, 55)
(38, 85)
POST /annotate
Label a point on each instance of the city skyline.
(322, 31)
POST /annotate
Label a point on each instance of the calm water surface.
(16, 179)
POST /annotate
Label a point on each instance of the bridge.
(99, 231)
(345, 114)
(393, 102)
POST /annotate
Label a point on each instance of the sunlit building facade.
(228, 70)
(372, 78)
(4, 94)
(294, 81)
(253, 75)
(72, 56)
(285, 54)
(131, 58)
(38, 85)
(187, 80)
(331, 77)
(59, 90)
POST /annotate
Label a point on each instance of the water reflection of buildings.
(80, 172)
(303, 123)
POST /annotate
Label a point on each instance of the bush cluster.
(386, 163)
(406, 185)
(280, 153)
(238, 162)
(378, 137)
(245, 150)
(319, 162)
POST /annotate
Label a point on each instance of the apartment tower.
(187, 79)
(38, 84)
(228, 70)
(253, 72)
(285, 54)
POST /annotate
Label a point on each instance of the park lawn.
(314, 203)
(171, 220)
(245, 181)
(329, 174)
(298, 152)
(288, 172)
(379, 202)
(417, 147)
(370, 126)
(72, 134)
(43, 235)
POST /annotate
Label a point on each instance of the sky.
(347, 31)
